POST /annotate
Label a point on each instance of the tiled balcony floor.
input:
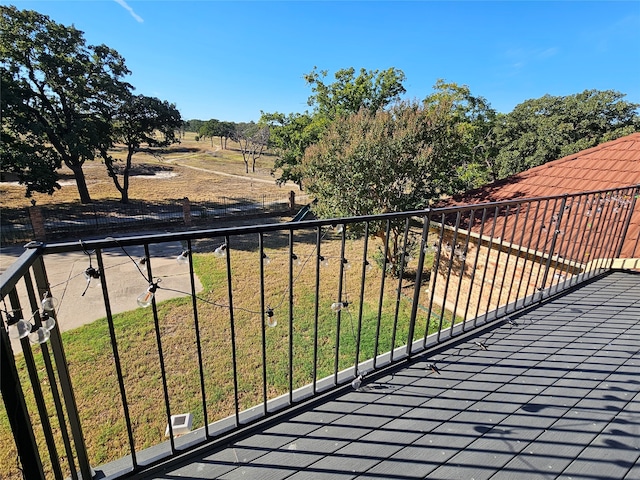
(555, 396)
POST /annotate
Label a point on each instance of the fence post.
(37, 223)
(292, 200)
(186, 211)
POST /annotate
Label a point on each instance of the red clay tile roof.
(608, 165)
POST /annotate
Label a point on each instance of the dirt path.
(176, 160)
(233, 175)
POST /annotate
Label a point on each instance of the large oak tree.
(139, 120)
(55, 92)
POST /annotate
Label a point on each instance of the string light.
(221, 251)
(18, 329)
(49, 303)
(146, 298)
(460, 252)
(346, 264)
(91, 274)
(183, 258)
(271, 319)
(431, 248)
(337, 306)
(323, 261)
(41, 335)
(48, 322)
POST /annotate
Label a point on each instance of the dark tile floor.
(555, 396)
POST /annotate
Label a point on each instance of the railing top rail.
(16, 270)
(111, 241)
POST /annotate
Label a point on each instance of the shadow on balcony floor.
(553, 394)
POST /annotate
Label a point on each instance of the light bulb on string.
(48, 322)
(337, 306)
(368, 265)
(265, 259)
(296, 260)
(324, 261)
(146, 298)
(49, 302)
(92, 274)
(41, 335)
(430, 248)
(183, 258)
(18, 328)
(346, 264)
(271, 319)
(221, 251)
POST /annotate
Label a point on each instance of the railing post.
(416, 292)
(556, 232)
(19, 417)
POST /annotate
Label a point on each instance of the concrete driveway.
(124, 281)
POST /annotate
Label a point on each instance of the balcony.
(502, 342)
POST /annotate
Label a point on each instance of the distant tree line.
(65, 102)
(361, 150)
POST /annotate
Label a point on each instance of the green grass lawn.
(91, 357)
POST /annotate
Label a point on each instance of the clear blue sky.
(232, 60)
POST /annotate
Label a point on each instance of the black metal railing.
(262, 318)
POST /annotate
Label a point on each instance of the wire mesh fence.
(74, 220)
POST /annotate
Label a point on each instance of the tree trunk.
(108, 162)
(81, 183)
(124, 191)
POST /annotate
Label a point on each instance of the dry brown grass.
(185, 169)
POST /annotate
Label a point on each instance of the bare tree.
(259, 143)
